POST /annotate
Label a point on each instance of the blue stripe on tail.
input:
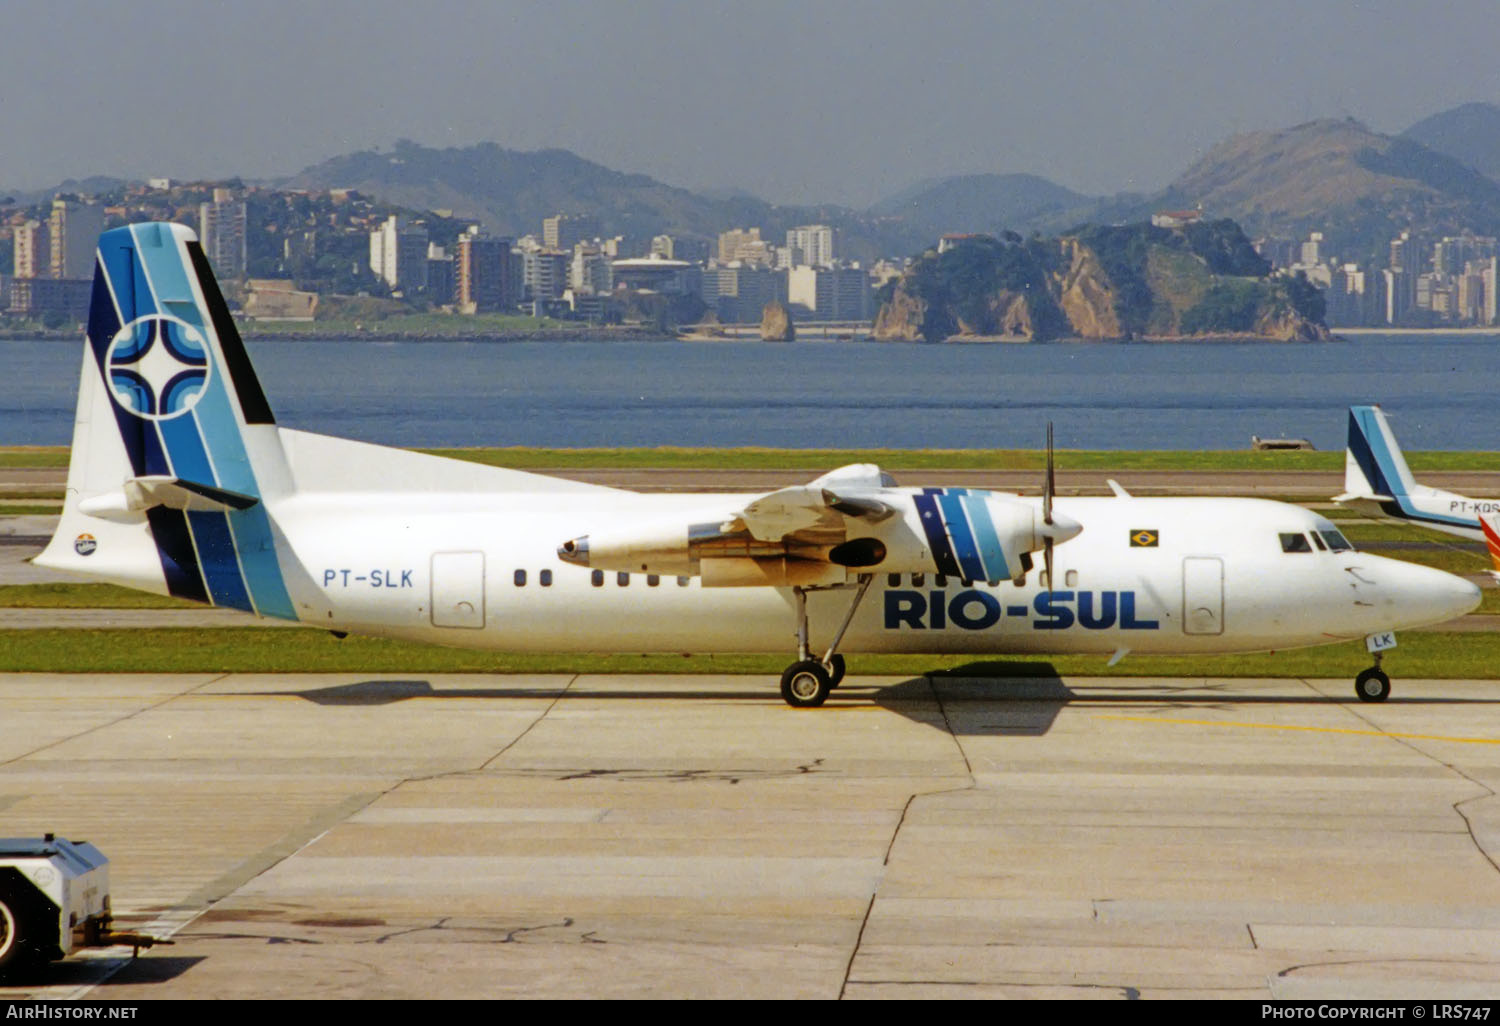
(180, 406)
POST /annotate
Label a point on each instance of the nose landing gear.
(1373, 685)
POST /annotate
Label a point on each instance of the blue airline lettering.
(1128, 622)
(1106, 617)
(1059, 617)
(974, 610)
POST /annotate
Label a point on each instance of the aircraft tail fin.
(174, 444)
(1374, 467)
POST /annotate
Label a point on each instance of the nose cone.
(1061, 529)
(1421, 595)
(575, 551)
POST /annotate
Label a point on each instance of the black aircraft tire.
(1372, 685)
(806, 685)
(836, 670)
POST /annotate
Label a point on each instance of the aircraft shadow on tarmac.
(153, 968)
(998, 698)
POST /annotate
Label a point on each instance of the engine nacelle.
(977, 535)
(974, 535)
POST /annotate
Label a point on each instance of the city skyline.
(832, 101)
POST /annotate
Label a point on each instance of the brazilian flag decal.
(1143, 538)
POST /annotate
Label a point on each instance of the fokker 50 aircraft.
(1378, 481)
(181, 482)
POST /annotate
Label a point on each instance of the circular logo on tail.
(85, 544)
(157, 367)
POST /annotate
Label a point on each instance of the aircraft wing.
(816, 511)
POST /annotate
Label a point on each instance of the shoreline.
(644, 334)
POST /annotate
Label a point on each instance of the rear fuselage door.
(1202, 595)
(458, 589)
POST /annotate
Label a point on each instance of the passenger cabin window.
(652, 580)
(918, 580)
(941, 580)
(1295, 543)
(622, 579)
(893, 580)
(1071, 578)
(545, 578)
(520, 578)
(683, 582)
(1336, 541)
(597, 578)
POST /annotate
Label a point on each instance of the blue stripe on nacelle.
(963, 538)
(937, 535)
(990, 551)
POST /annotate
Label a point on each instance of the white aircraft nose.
(1422, 595)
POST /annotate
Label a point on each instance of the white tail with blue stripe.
(1378, 481)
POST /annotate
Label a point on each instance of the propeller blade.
(1051, 480)
(1047, 561)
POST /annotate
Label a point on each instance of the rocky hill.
(1097, 282)
(1358, 187)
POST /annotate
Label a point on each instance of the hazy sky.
(794, 100)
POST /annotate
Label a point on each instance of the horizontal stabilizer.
(143, 493)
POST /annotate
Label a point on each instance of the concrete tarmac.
(690, 836)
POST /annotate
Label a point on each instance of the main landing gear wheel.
(1372, 685)
(805, 685)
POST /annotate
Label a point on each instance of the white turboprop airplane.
(182, 483)
(1377, 481)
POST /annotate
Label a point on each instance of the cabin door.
(458, 589)
(1202, 595)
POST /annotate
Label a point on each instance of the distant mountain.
(91, 186)
(512, 191)
(988, 203)
(1469, 134)
(1358, 187)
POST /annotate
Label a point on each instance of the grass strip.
(67, 595)
(754, 458)
(265, 650)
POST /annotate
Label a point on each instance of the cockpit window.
(1318, 541)
(1336, 541)
(1295, 543)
